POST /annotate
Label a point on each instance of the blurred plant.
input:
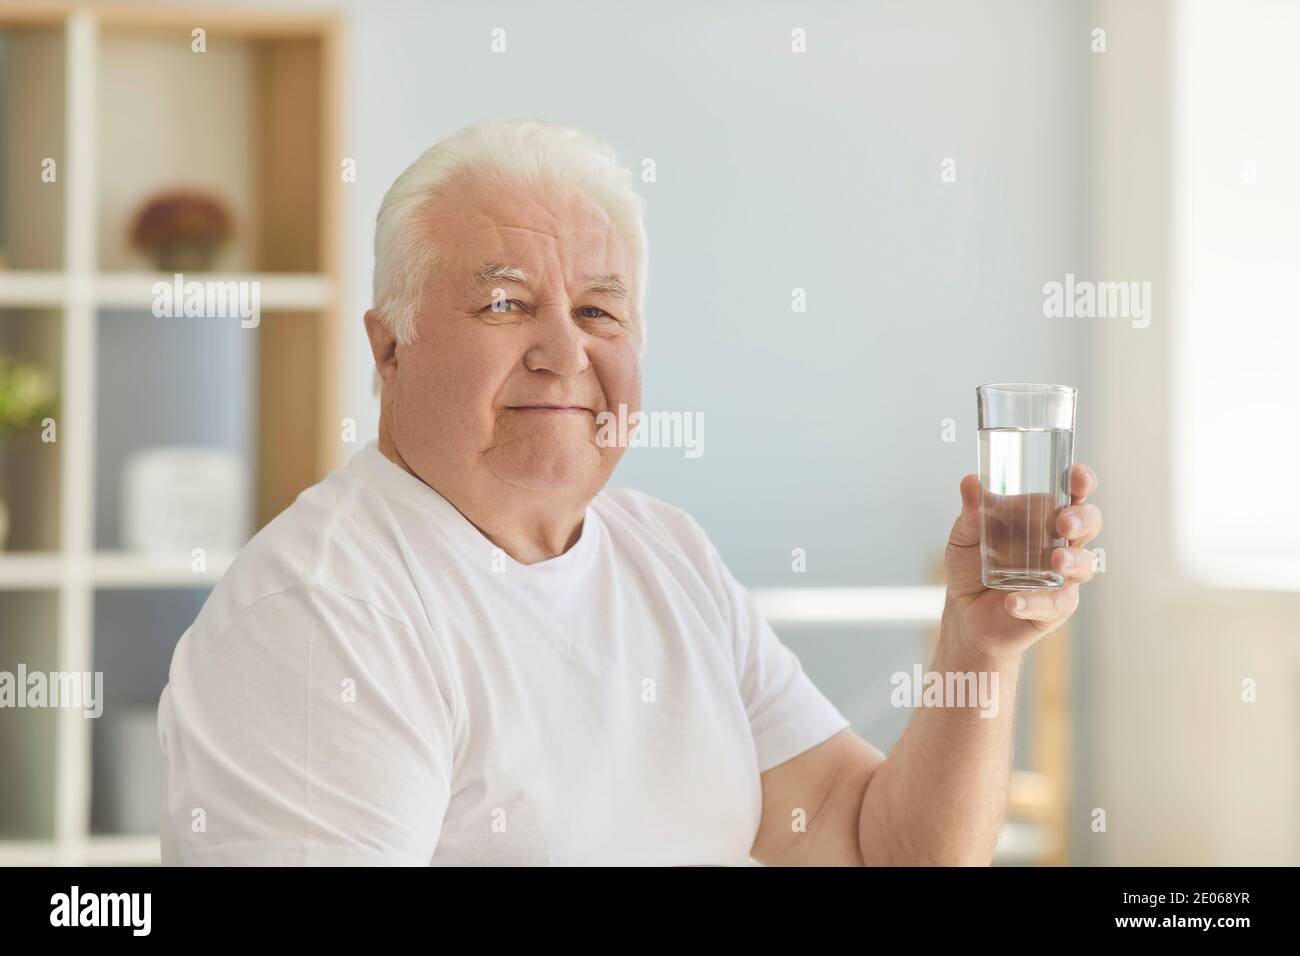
(27, 395)
(181, 230)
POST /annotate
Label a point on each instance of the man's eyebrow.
(609, 283)
(498, 272)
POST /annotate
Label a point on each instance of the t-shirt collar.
(398, 485)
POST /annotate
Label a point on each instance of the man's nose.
(557, 343)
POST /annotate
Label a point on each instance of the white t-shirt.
(374, 682)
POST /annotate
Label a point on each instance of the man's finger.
(1044, 605)
(1075, 564)
(1083, 482)
(1079, 524)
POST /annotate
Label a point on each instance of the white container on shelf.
(177, 499)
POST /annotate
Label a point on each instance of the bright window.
(1235, 194)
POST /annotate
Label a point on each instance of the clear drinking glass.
(1026, 439)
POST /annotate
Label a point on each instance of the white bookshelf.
(67, 271)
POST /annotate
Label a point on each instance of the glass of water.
(1026, 438)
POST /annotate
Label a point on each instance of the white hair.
(524, 153)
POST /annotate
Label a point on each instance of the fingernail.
(1020, 604)
(1067, 560)
(1072, 526)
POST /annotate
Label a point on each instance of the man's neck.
(527, 533)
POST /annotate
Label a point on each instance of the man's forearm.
(941, 796)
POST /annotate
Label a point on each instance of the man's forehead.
(511, 234)
(483, 201)
(523, 254)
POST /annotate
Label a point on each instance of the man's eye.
(591, 308)
(504, 305)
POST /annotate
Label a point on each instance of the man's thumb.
(966, 530)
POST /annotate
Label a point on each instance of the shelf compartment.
(136, 632)
(245, 122)
(30, 468)
(28, 736)
(32, 136)
(206, 368)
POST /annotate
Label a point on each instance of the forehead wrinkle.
(542, 232)
(499, 258)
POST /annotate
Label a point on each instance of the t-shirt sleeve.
(308, 731)
(787, 712)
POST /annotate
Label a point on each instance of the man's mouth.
(551, 409)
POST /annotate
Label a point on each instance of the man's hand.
(995, 623)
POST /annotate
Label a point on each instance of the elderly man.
(461, 648)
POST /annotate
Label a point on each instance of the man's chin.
(548, 473)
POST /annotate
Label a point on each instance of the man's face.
(511, 394)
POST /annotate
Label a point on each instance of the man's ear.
(382, 346)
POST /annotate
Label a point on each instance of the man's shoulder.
(645, 514)
(335, 537)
